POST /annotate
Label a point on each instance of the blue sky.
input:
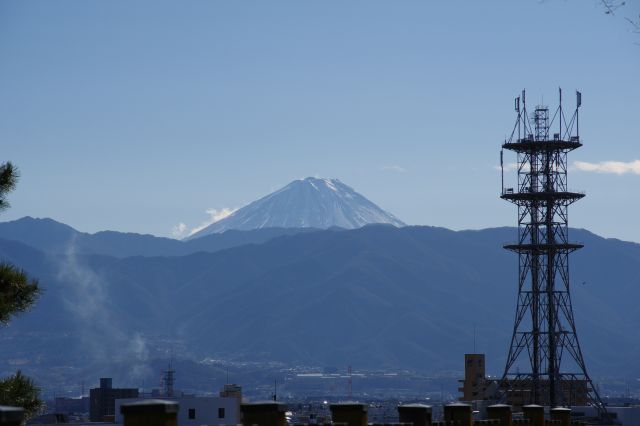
(138, 116)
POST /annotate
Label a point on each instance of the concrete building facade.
(197, 410)
(102, 400)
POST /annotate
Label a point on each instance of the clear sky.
(140, 115)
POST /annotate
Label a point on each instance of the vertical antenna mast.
(578, 103)
(275, 389)
(502, 169)
(523, 116)
(169, 379)
(560, 111)
(474, 338)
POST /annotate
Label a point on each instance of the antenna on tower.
(474, 338)
(350, 383)
(578, 103)
(169, 380)
(517, 108)
(275, 389)
(560, 110)
(502, 169)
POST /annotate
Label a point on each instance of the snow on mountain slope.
(305, 203)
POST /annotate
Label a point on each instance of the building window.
(192, 413)
(221, 413)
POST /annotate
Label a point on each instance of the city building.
(231, 390)
(477, 387)
(102, 400)
(199, 410)
(474, 385)
(624, 416)
(66, 405)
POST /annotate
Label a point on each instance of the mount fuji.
(305, 203)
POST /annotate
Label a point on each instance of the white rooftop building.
(197, 410)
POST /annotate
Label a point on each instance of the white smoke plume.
(86, 298)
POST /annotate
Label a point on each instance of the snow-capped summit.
(305, 203)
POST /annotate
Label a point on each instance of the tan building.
(519, 392)
(476, 386)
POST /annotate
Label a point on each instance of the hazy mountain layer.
(50, 236)
(375, 297)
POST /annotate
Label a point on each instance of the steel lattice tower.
(545, 364)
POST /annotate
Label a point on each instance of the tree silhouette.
(612, 6)
(8, 179)
(18, 292)
(20, 391)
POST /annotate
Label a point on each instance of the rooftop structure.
(102, 400)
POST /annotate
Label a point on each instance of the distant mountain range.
(377, 297)
(54, 237)
(305, 203)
